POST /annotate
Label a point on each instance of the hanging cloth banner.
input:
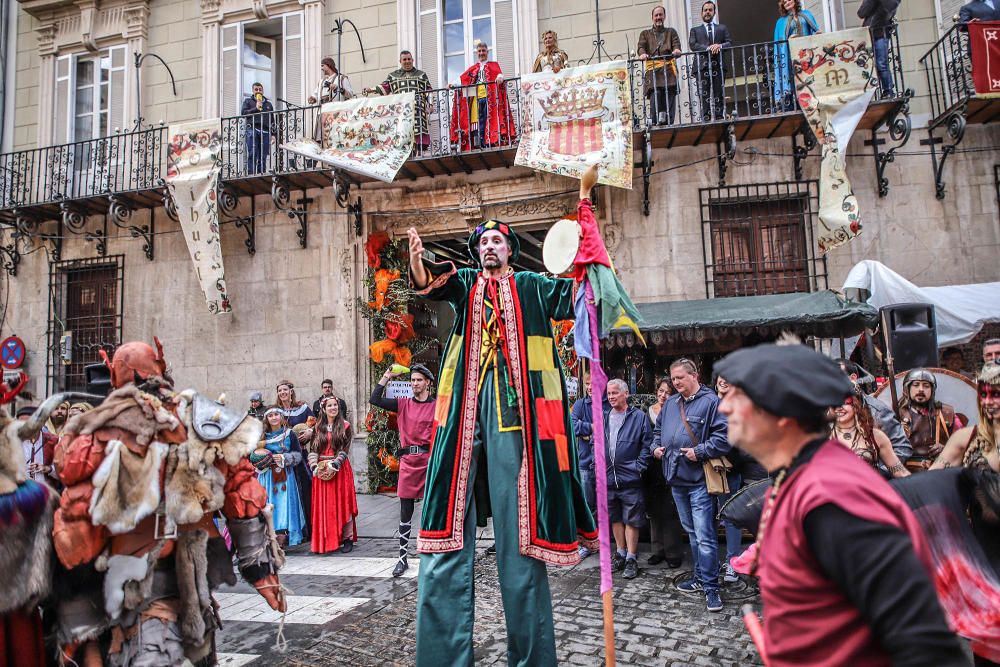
(578, 117)
(984, 41)
(834, 84)
(372, 136)
(193, 164)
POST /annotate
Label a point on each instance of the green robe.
(552, 512)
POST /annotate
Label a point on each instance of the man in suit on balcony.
(707, 41)
(980, 10)
(878, 17)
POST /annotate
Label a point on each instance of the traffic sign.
(12, 352)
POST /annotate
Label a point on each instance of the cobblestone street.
(349, 610)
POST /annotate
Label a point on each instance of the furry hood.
(129, 409)
(25, 552)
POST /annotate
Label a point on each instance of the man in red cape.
(489, 117)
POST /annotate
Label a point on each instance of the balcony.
(954, 101)
(733, 97)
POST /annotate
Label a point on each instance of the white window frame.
(269, 90)
(277, 67)
(73, 86)
(468, 21)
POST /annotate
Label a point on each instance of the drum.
(562, 242)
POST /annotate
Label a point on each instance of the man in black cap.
(843, 564)
(256, 405)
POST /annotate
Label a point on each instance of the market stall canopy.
(960, 310)
(822, 314)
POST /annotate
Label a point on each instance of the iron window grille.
(86, 299)
(758, 239)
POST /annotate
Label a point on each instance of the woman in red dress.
(334, 502)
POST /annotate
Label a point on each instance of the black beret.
(423, 370)
(786, 380)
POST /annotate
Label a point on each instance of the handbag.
(716, 479)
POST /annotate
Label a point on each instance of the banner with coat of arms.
(576, 117)
(834, 83)
(372, 136)
(984, 42)
(193, 164)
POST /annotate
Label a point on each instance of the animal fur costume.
(145, 474)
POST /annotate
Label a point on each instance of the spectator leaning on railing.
(660, 81)
(707, 41)
(980, 10)
(878, 17)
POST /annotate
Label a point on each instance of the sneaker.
(631, 569)
(712, 601)
(729, 574)
(690, 586)
(656, 558)
(584, 552)
(617, 562)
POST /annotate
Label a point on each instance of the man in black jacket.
(258, 129)
(628, 436)
(707, 41)
(979, 10)
(878, 17)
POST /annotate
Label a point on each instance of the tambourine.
(562, 243)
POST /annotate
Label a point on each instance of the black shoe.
(617, 562)
(401, 567)
(347, 547)
(631, 569)
(674, 563)
(492, 549)
(656, 558)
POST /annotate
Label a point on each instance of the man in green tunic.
(502, 446)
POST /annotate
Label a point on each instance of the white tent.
(961, 310)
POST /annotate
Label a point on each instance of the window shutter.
(116, 103)
(63, 98)
(232, 54)
(429, 41)
(948, 10)
(292, 48)
(504, 39)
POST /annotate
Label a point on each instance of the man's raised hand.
(417, 269)
(588, 181)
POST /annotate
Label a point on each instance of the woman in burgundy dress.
(334, 502)
(415, 417)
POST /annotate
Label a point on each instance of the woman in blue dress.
(793, 22)
(284, 475)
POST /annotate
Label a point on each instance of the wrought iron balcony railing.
(691, 89)
(948, 66)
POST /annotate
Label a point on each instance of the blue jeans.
(696, 510)
(882, 66)
(734, 536)
(589, 482)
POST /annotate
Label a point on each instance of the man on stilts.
(501, 447)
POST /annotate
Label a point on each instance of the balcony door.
(269, 52)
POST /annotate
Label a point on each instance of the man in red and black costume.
(844, 566)
(484, 118)
(145, 473)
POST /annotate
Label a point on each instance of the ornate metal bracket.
(647, 169)
(356, 211)
(10, 256)
(281, 194)
(955, 130)
(169, 205)
(99, 237)
(727, 151)
(800, 153)
(72, 217)
(342, 189)
(120, 213)
(56, 240)
(228, 202)
(899, 126)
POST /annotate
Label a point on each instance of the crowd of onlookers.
(663, 463)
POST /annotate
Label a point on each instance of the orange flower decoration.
(400, 353)
(401, 332)
(373, 248)
(383, 278)
(390, 462)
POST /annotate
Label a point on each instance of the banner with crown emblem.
(834, 83)
(372, 136)
(578, 117)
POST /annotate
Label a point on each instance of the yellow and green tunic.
(504, 326)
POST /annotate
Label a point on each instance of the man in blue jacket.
(689, 431)
(583, 428)
(628, 437)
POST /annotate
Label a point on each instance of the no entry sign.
(12, 352)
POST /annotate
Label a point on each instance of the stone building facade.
(294, 308)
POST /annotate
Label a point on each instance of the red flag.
(984, 41)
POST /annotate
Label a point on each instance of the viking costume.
(415, 420)
(287, 485)
(146, 473)
(334, 500)
(929, 426)
(483, 118)
(501, 446)
(411, 81)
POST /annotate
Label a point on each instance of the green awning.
(822, 314)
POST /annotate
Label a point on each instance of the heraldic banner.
(984, 41)
(193, 164)
(834, 84)
(372, 136)
(575, 118)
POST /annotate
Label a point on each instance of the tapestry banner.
(834, 84)
(984, 40)
(193, 164)
(371, 136)
(576, 117)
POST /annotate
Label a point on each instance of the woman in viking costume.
(283, 474)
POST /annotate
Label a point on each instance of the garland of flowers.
(388, 309)
(562, 332)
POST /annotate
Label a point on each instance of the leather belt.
(416, 449)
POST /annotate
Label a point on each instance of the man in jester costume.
(502, 446)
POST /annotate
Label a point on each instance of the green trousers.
(446, 589)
